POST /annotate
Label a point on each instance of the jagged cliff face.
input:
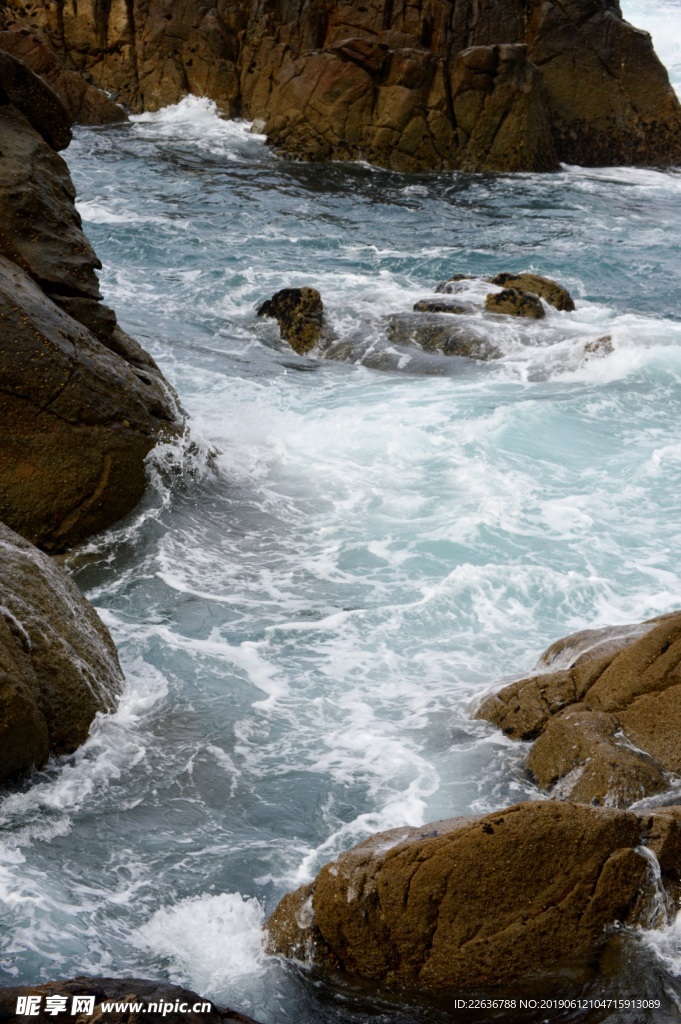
(430, 84)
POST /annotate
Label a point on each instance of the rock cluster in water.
(445, 323)
(604, 711)
(432, 85)
(487, 901)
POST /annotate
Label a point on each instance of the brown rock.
(58, 663)
(483, 85)
(157, 1002)
(514, 302)
(605, 712)
(470, 903)
(76, 421)
(553, 292)
(580, 753)
(84, 103)
(81, 403)
(300, 315)
(35, 101)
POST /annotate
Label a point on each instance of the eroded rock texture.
(475, 902)
(58, 663)
(84, 102)
(81, 403)
(604, 710)
(500, 85)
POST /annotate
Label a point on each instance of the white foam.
(114, 744)
(211, 941)
(198, 120)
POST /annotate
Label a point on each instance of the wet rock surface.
(485, 85)
(84, 103)
(514, 302)
(553, 292)
(300, 315)
(435, 332)
(605, 712)
(81, 403)
(58, 663)
(156, 1001)
(478, 902)
(460, 320)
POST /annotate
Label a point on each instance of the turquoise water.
(340, 560)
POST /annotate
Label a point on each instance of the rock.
(553, 292)
(501, 111)
(84, 103)
(34, 101)
(453, 284)
(514, 302)
(300, 315)
(477, 902)
(440, 306)
(158, 1002)
(81, 403)
(489, 85)
(435, 332)
(58, 663)
(605, 711)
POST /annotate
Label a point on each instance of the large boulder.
(479, 85)
(604, 710)
(58, 663)
(477, 902)
(155, 1002)
(81, 403)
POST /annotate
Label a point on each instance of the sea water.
(335, 564)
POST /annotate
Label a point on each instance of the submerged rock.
(553, 292)
(440, 306)
(81, 403)
(300, 315)
(58, 663)
(437, 332)
(605, 711)
(475, 902)
(157, 1002)
(514, 302)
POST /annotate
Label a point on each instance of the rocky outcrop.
(604, 710)
(300, 315)
(58, 664)
(478, 902)
(84, 103)
(157, 1003)
(81, 403)
(452, 322)
(554, 293)
(476, 85)
(514, 302)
